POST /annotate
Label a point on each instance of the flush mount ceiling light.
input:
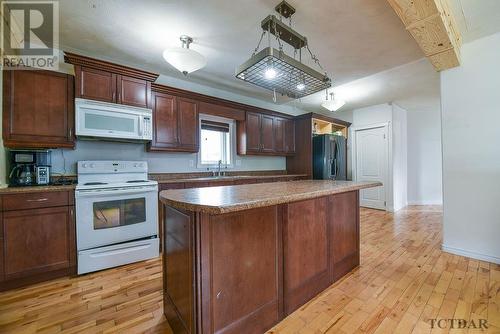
(333, 104)
(184, 59)
(273, 69)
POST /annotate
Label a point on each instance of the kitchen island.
(238, 259)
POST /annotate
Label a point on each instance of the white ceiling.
(352, 38)
(361, 43)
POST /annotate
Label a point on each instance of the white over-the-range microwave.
(95, 119)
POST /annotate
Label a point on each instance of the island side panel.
(345, 231)
(178, 270)
(306, 251)
(241, 271)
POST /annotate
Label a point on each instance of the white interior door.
(372, 165)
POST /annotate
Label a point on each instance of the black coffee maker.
(22, 166)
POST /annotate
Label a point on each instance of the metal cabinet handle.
(37, 200)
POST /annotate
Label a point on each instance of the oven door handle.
(113, 192)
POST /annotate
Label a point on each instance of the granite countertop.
(32, 189)
(218, 200)
(229, 178)
(29, 189)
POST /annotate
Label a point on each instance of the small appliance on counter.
(29, 167)
(329, 157)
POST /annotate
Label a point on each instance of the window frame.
(232, 141)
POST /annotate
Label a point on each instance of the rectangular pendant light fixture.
(293, 78)
(272, 69)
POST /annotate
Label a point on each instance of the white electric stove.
(116, 214)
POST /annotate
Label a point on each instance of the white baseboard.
(425, 202)
(474, 255)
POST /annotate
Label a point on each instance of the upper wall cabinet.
(175, 123)
(265, 134)
(108, 82)
(38, 109)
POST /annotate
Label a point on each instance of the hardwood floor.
(404, 281)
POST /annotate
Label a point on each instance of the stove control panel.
(104, 167)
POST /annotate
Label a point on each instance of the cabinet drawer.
(35, 200)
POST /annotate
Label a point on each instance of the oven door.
(109, 216)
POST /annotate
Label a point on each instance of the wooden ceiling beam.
(432, 25)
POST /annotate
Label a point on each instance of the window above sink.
(217, 142)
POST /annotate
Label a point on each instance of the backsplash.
(64, 160)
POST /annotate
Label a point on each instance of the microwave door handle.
(141, 126)
(104, 193)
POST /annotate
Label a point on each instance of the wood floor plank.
(403, 283)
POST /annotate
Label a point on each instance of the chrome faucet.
(219, 168)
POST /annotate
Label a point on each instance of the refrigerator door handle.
(334, 158)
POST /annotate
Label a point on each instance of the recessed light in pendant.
(183, 58)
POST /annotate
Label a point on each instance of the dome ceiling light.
(183, 58)
(333, 104)
(272, 69)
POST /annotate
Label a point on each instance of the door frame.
(388, 175)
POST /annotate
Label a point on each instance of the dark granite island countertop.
(218, 200)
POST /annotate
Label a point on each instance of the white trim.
(232, 139)
(473, 255)
(424, 202)
(388, 175)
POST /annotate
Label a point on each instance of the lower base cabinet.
(245, 271)
(36, 244)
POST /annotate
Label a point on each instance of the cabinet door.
(344, 217)
(306, 258)
(38, 109)
(95, 84)
(133, 91)
(37, 241)
(165, 136)
(267, 133)
(289, 136)
(188, 124)
(279, 134)
(252, 131)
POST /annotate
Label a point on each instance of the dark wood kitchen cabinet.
(165, 124)
(279, 134)
(252, 131)
(37, 235)
(256, 134)
(38, 109)
(106, 86)
(320, 245)
(104, 81)
(267, 133)
(284, 135)
(289, 140)
(133, 91)
(264, 134)
(175, 124)
(188, 124)
(345, 231)
(95, 84)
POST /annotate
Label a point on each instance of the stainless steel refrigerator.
(329, 157)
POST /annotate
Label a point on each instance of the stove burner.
(94, 183)
(136, 181)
